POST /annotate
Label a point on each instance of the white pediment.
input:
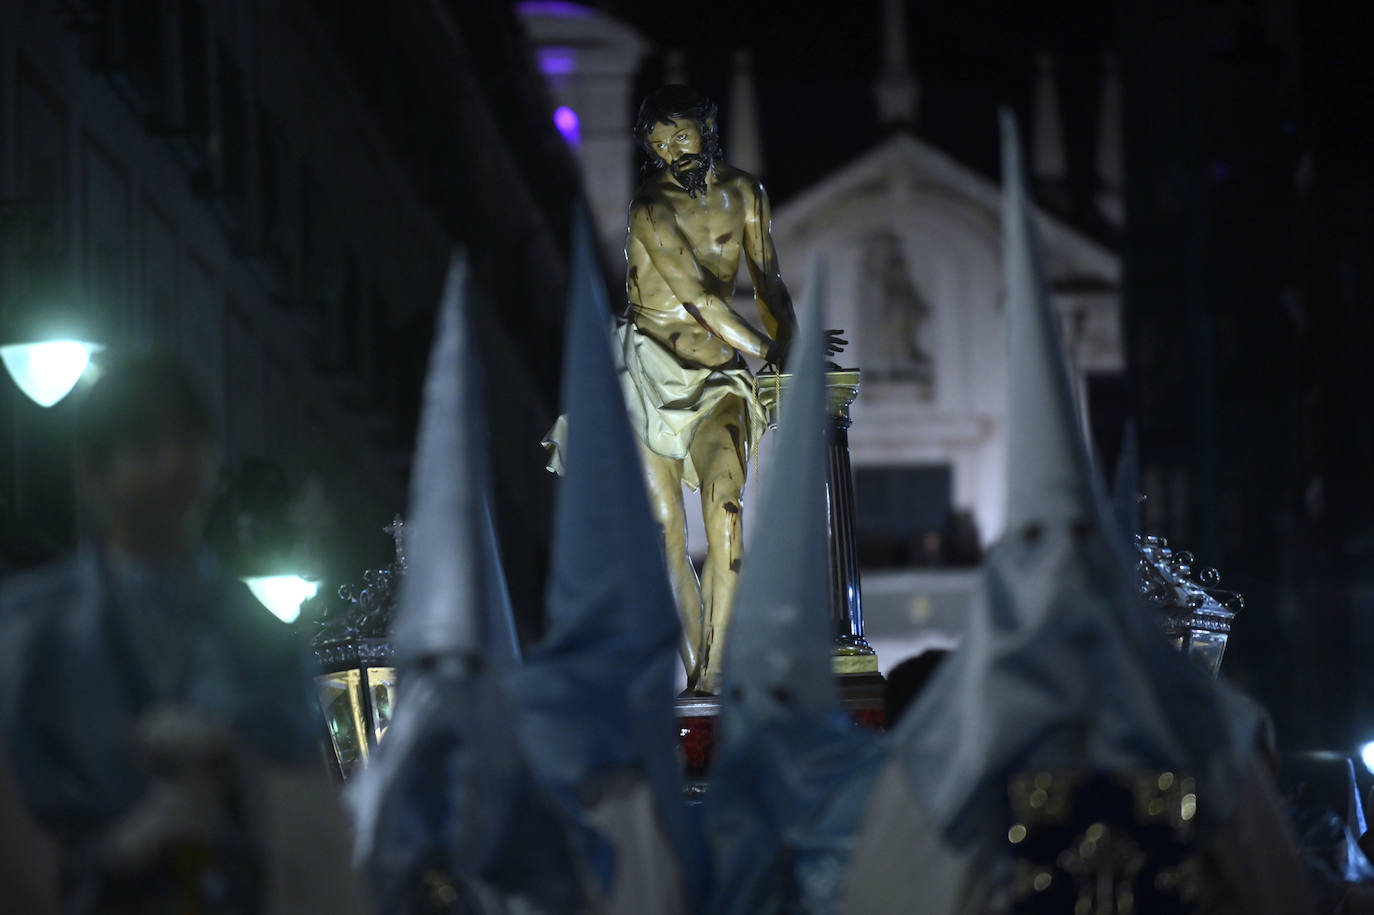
(904, 171)
(912, 244)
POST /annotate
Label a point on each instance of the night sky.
(814, 67)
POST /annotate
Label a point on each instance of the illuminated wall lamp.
(282, 594)
(46, 372)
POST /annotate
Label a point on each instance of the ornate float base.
(860, 694)
(852, 655)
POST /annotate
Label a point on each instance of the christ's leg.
(720, 454)
(663, 477)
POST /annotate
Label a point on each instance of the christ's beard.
(690, 170)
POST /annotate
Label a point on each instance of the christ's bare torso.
(682, 256)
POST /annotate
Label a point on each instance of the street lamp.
(1367, 755)
(356, 665)
(46, 372)
(282, 594)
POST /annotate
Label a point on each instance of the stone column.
(851, 652)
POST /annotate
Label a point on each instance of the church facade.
(912, 244)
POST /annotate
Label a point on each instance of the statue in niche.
(691, 397)
(893, 343)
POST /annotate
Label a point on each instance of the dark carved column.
(851, 654)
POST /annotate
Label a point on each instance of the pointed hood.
(454, 599)
(1043, 425)
(441, 595)
(1062, 665)
(791, 771)
(430, 797)
(780, 633)
(596, 693)
(608, 590)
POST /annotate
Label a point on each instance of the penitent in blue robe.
(86, 650)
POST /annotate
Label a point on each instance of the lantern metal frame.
(355, 659)
(1197, 615)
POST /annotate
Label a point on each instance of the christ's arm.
(775, 304)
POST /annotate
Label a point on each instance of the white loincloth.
(668, 400)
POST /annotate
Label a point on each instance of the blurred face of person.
(150, 495)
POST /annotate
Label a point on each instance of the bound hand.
(774, 359)
(834, 343)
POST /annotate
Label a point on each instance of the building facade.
(236, 183)
(164, 190)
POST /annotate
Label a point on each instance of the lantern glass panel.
(1206, 648)
(381, 682)
(341, 698)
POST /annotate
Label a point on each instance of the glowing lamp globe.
(47, 372)
(1367, 755)
(282, 594)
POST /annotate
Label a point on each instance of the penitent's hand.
(195, 772)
